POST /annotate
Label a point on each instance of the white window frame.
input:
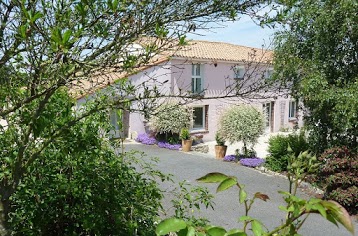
(292, 110)
(203, 121)
(239, 72)
(195, 76)
(268, 73)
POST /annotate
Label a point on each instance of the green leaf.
(245, 218)
(226, 184)
(66, 36)
(283, 208)
(321, 209)
(189, 231)
(284, 193)
(23, 29)
(37, 15)
(170, 225)
(235, 232)
(256, 228)
(340, 214)
(214, 177)
(242, 195)
(182, 41)
(216, 231)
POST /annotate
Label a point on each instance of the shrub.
(219, 140)
(277, 159)
(79, 186)
(170, 117)
(184, 134)
(241, 123)
(339, 176)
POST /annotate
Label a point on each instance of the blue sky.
(243, 32)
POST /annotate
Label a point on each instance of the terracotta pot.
(186, 145)
(220, 151)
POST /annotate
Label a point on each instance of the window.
(292, 110)
(239, 72)
(268, 73)
(113, 116)
(200, 118)
(196, 78)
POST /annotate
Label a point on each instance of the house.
(218, 75)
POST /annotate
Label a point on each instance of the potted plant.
(186, 140)
(220, 147)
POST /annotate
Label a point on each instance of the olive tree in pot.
(220, 147)
(186, 140)
(243, 123)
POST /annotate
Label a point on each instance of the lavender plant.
(169, 146)
(230, 158)
(252, 162)
(145, 139)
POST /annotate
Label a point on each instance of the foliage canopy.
(316, 54)
(241, 123)
(170, 117)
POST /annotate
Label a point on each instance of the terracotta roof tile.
(207, 50)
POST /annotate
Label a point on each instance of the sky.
(243, 32)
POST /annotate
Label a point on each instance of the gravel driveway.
(190, 166)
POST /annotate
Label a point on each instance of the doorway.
(268, 109)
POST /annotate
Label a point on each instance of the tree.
(83, 187)
(316, 54)
(48, 48)
(241, 123)
(170, 117)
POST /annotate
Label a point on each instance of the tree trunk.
(245, 149)
(5, 193)
(4, 210)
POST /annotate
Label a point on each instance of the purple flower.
(169, 146)
(230, 158)
(145, 139)
(251, 162)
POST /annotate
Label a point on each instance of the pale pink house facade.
(214, 71)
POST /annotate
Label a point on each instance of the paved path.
(190, 166)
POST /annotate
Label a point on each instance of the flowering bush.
(241, 123)
(230, 158)
(169, 146)
(170, 117)
(252, 162)
(145, 139)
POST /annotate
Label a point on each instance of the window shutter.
(198, 85)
